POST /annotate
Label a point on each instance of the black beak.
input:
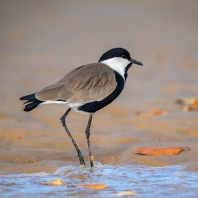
(133, 61)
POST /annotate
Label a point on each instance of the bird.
(86, 89)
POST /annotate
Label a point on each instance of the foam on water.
(146, 181)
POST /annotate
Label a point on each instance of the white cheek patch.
(117, 64)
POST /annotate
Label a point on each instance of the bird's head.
(118, 59)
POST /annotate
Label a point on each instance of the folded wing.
(88, 83)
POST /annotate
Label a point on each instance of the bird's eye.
(123, 56)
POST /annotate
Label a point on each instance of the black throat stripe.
(92, 107)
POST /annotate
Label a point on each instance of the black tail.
(32, 101)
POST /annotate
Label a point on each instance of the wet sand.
(41, 41)
(29, 148)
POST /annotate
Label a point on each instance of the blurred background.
(42, 40)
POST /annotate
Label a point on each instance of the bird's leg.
(87, 132)
(62, 120)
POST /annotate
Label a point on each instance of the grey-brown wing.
(88, 83)
(51, 92)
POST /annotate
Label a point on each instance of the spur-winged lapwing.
(86, 89)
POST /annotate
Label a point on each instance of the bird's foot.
(91, 160)
(82, 166)
(81, 159)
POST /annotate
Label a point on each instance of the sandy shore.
(36, 147)
(39, 49)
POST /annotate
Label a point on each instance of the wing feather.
(88, 83)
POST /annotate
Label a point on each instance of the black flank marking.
(92, 107)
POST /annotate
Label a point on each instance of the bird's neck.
(126, 70)
(119, 65)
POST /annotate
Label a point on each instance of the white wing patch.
(73, 106)
(53, 102)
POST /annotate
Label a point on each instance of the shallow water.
(170, 181)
